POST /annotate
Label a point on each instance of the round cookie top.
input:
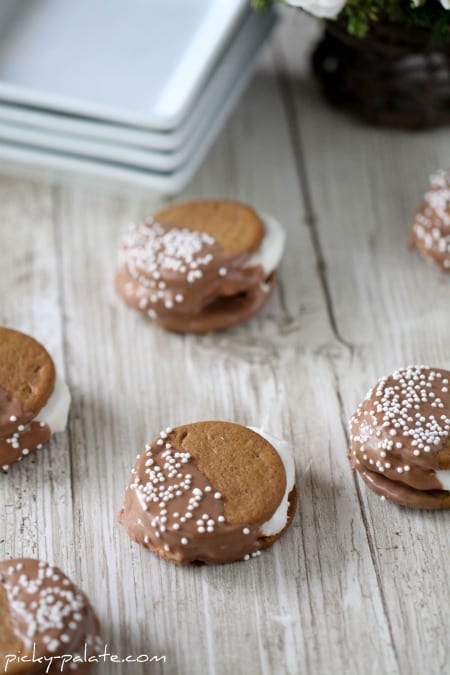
(43, 612)
(402, 427)
(236, 227)
(238, 463)
(205, 493)
(431, 227)
(27, 374)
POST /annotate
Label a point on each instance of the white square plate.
(130, 61)
(227, 72)
(24, 159)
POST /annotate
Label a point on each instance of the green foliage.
(430, 16)
(362, 14)
(262, 4)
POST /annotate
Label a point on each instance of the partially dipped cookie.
(34, 400)
(431, 226)
(400, 438)
(200, 266)
(210, 492)
(44, 616)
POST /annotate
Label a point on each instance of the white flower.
(326, 9)
(445, 3)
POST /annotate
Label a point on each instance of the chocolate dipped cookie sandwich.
(431, 226)
(400, 438)
(201, 266)
(44, 619)
(210, 492)
(34, 400)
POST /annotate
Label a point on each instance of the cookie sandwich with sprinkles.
(210, 492)
(34, 399)
(200, 266)
(400, 438)
(431, 227)
(44, 617)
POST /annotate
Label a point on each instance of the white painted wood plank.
(392, 309)
(35, 497)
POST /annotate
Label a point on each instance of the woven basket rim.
(396, 76)
(387, 38)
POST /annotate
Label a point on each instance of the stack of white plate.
(128, 90)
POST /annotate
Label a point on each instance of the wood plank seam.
(57, 233)
(286, 85)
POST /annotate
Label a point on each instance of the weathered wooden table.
(357, 585)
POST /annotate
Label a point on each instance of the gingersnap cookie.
(431, 226)
(210, 492)
(46, 622)
(201, 266)
(400, 438)
(34, 400)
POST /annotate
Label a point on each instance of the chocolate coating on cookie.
(431, 227)
(43, 615)
(201, 493)
(187, 269)
(400, 437)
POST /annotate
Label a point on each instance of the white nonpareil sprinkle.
(432, 222)
(157, 484)
(151, 250)
(162, 259)
(438, 198)
(50, 608)
(167, 477)
(410, 406)
(149, 246)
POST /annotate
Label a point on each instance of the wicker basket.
(392, 77)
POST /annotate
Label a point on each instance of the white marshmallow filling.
(279, 520)
(444, 478)
(56, 410)
(271, 250)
